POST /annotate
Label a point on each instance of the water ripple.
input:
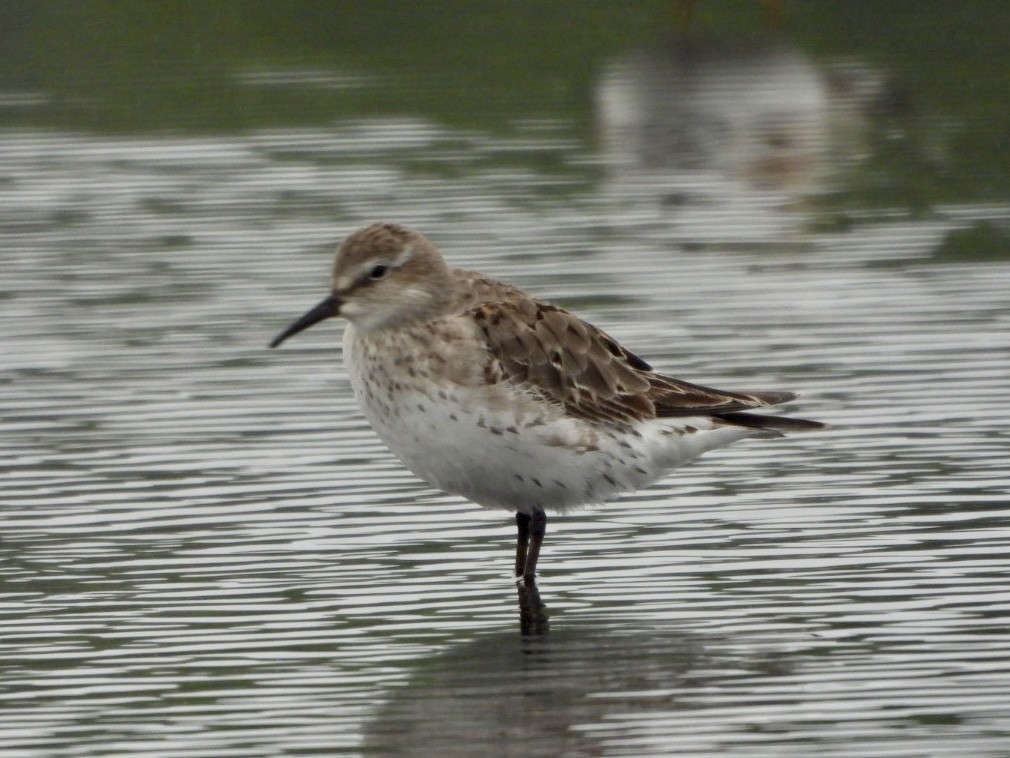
(206, 552)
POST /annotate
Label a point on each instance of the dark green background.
(160, 65)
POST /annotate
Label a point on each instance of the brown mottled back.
(546, 349)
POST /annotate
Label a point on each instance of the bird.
(484, 391)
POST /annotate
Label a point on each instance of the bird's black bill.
(327, 308)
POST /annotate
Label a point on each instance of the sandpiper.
(486, 392)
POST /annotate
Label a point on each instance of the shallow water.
(206, 552)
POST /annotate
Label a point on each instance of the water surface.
(206, 552)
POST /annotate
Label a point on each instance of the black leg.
(522, 541)
(537, 528)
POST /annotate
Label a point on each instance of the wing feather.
(549, 351)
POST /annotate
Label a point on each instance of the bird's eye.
(378, 272)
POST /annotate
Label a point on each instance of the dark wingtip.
(773, 423)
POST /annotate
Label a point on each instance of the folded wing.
(549, 351)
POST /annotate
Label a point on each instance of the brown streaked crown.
(386, 276)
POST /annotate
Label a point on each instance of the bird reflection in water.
(533, 616)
